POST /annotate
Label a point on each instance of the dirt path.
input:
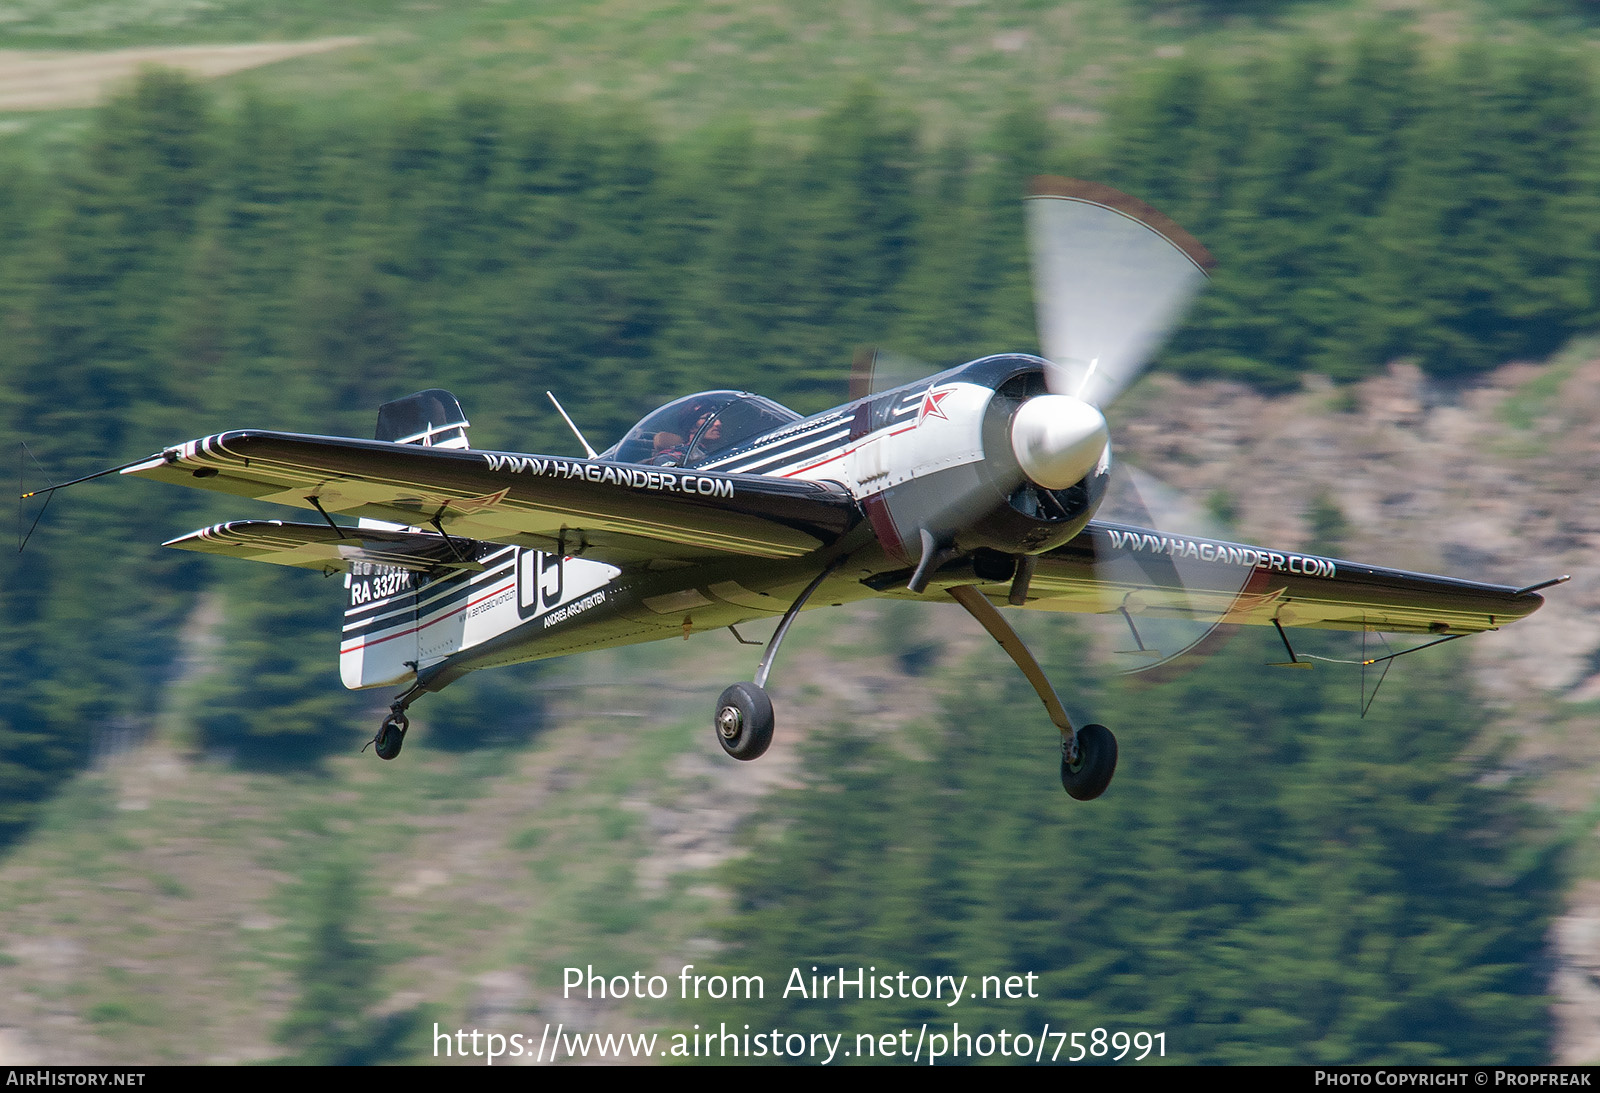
(32, 80)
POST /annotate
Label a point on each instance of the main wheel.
(1087, 777)
(744, 721)
(391, 736)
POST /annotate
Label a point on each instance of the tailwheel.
(1086, 775)
(391, 735)
(744, 721)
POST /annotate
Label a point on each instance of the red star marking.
(930, 405)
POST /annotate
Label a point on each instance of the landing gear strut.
(744, 719)
(1089, 754)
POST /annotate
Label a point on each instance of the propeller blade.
(1167, 607)
(1111, 278)
(874, 369)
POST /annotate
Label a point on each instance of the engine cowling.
(991, 462)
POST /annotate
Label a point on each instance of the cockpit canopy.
(696, 428)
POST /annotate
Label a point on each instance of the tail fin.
(382, 602)
(432, 418)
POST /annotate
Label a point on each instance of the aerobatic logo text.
(611, 474)
(1143, 542)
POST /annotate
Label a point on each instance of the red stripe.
(424, 626)
(841, 455)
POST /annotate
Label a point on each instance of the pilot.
(713, 433)
(671, 446)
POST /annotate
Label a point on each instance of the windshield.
(690, 430)
(741, 420)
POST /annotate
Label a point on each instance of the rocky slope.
(1490, 481)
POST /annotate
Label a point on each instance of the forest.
(1275, 880)
(191, 267)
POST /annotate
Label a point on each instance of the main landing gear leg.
(392, 733)
(1089, 754)
(744, 719)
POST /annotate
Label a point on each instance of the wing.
(324, 548)
(1232, 583)
(620, 513)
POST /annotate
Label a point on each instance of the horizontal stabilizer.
(321, 547)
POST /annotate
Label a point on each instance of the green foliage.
(272, 695)
(1267, 880)
(194, 269)
(332, 1023)
(485, 709)
(1364, 205)
(1220, 9)
(1223, 507)
(1327, 523)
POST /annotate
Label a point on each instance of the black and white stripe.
(418, 608)
(811, 442)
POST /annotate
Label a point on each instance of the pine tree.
(332, 1023)
(1270, 878)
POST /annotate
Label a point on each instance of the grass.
(959, 65)
(167, 916)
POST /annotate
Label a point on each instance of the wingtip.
(1551, 583)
